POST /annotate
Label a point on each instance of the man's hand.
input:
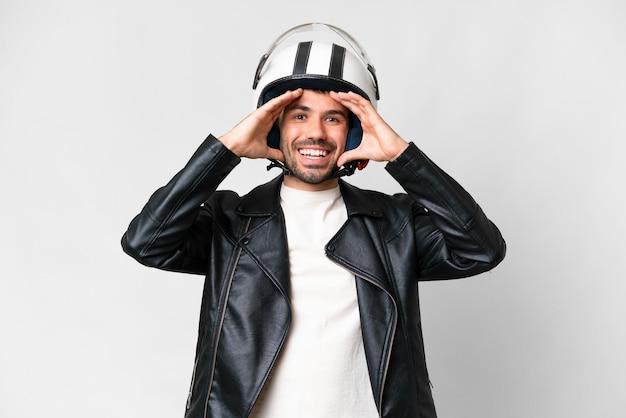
(380, 142)
(249, 137)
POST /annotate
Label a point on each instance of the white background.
(522, 101)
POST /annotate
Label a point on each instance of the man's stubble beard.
(309, 176)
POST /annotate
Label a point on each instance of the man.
(310, 305)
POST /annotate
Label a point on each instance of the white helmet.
(320, 57)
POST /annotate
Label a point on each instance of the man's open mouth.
(313, 153)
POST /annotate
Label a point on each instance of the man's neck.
(296, 183)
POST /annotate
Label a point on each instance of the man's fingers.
(348, 156)
(275, 154)
(277, 104)
(355, 103)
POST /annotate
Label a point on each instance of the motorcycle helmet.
(316, 56)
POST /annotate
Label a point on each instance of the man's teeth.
(313, 152)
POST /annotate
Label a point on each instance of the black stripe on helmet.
(302, 58)
(336, 62)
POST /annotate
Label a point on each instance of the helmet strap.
(278, 164)
(346, 170)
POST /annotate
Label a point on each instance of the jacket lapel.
(359, 245)
(265, 239)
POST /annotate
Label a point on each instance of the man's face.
(313, 132)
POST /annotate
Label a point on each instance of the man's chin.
(313, 175)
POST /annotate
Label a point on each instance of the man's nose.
(315, 129)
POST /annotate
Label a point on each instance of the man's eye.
(299, 117)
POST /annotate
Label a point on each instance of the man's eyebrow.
(298, 107)
(304, 108)
(335, 112)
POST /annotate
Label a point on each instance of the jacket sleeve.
(454, 236)
(173, 230)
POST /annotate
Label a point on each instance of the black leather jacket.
(434, 231)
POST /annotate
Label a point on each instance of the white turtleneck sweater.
(321, 370)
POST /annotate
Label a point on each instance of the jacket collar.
(264, 200)
(358, 201)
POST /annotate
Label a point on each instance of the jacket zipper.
(392, 337)
(193, 382)
(393, 334)
(219, 332)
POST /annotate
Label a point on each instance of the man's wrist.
(231, 143)
(399, 149)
